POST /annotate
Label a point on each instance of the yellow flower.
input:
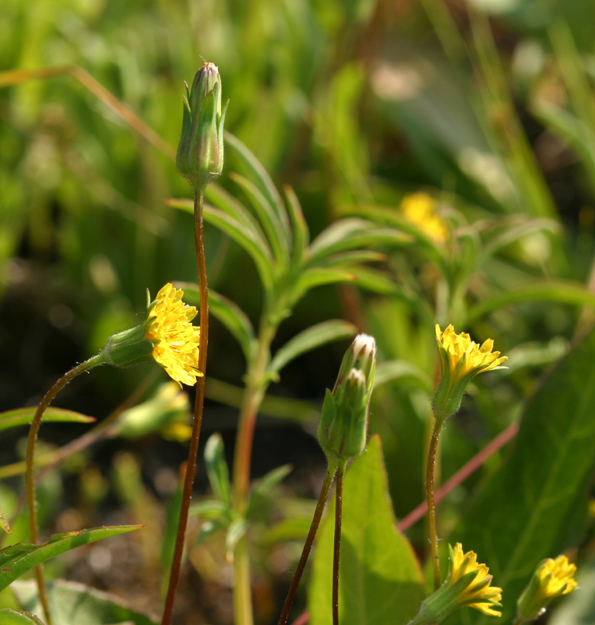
(420, 210)
(461, 360)
(174, 337)
(478, 593)
(551, 579)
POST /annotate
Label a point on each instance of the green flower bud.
(344, 421)
(200, 153)
(551, 579)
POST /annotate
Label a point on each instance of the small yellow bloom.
(478, 594)
(551, 579)
(461, 360)
(174, 337)
(465, 356)
(420, 210)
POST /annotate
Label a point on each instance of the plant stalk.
(326, 485)
(198, 407)
(337, 544)
(30, 470)
(432, 451)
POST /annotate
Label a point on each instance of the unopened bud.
(200, 153)
(344, 421)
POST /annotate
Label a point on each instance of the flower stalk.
(337, 542)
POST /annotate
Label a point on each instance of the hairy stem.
(198, 407)
(430, 498)
(30, 469)
(337, 544)
(326, 485)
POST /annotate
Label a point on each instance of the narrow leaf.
(380, 577)
(301, 234)
(316, 336)
(24, 416)
(565, 292)
(11, 617)
(235, 533)
(317, 277)
(224, 201)
(20, 558)
(398, 369)
(217, 470)
(523, 513)
(265, 485)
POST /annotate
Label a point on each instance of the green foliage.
(381, 579)
(24, 416)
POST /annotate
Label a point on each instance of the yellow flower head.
(174, 337)
(551, 579)
(420, 210)
(461, 360)
(478, 593)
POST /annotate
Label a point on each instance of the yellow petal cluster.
(420, 210)
(479, 594)
(174, 337)
(465, 356)
(556, 577)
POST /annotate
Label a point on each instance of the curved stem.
(326, 485)
(198, 407)
(30, 470)
(430, 497)
(337, 545)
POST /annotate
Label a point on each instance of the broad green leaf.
(260, 177)
(72, 603)
(11, 617)
(565, 292)
(20, 558)
(268, 219)
(316, 336)
(527, 511)
(380, 578)
(4, 523)
(255, 245)
(216, 466)
(228, 313)
(398, 369)
(24, 416)
(265, 485)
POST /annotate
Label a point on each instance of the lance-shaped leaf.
(401, 369)
(380, 577)
(228, 313)
(217, 470)
(12, 617)
(260, 176)
(317, 277)
(271, 223)
(301, 234)
(24, 416)
(255, 245)
(228, 204)
(72, 603)
(565, 292)
(265, 485)
(20, 558)
(316, 336)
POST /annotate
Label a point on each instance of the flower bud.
(551, 579)
(344, 421)
(200, 153)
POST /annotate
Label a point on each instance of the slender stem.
(430, 497)
(30, 471)
(337, 546)
(198, 407)
(326, 485)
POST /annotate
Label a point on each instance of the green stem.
(432, 451)
(30, 470)
(337, 544)
(198, 407)
(328, 480)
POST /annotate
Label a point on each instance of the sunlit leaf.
(24, 416)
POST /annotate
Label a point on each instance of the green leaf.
(24, 416)
(511, 229)
(526, 511)
(75, 604)
(301, 234)
(348, 259)
(228, 313)
(260, 176)
(217, 470)
(317, 277)
(254, 244)
(265, 485)
(291, 528)
(20, 558)
(235, 533)
(320, 334)
(4, 523)
(380, 577)
(268, 218)
(228, 204)
(401, 369)
(565, 292)
(10, 617)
